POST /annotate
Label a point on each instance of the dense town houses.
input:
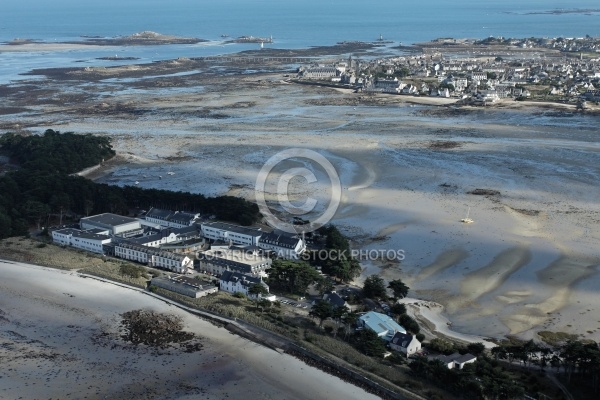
(474, 78)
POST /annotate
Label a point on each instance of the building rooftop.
(234, 228)
(82, 234)
(110, 219)
(246, 280)
(334, 299)
(185, 282)
(183, 217)
(159, 213)
(402, 339)
(281, 239)
(381, 324)
(151, 251)
(97, 231)
(232, 255)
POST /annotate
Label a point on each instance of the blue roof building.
(384, 326)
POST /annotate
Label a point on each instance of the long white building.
(116, 225)
(84, 240)
(171, 219)
(154, 258)
(285, 245)
(229, 232)
(218, 261)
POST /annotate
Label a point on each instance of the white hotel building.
(116, 225)
(234, 233)
(154, 257)
(84, 240)
(285, 245)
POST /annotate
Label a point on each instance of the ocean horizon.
(291, 24)
(299, 24)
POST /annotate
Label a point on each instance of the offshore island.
(504, 129)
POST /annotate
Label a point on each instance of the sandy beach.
(59, 339)
(530, 260)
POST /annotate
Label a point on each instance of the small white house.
(407, 344)
(235, 282)
(456, 360)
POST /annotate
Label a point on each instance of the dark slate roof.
(402, 339)
(455, 358)
(159, 213)
(246, 249)
(186, 231)
(184, 282)
(97, 231)
(230, 276)
(151, 251)
(144, 239)
(334, 299)
(183, 217)
(151, 238)
(279, 238)
(110, 219)
(234, 228)
(463, 358)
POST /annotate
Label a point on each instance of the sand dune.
(443, 261)
(490, 277)
(560, 277)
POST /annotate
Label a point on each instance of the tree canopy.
(292, 277)
(374, 287)
(369, 343)
(64, 153)
(339, 263)
(322, 310)
(41, 191)
(399, 288)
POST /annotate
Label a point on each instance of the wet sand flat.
(215, 129)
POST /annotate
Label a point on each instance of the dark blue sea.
(292, 24)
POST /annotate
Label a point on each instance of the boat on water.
(467, 220)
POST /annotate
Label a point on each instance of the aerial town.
(553, 70)
(501, 303)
